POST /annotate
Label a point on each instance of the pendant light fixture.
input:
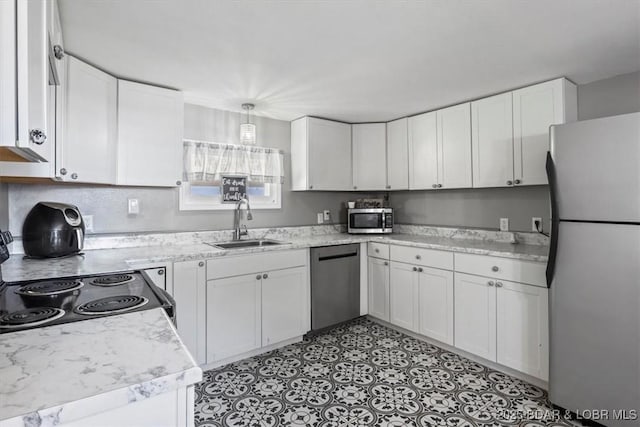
(248, 129)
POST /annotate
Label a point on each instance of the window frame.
(187, 204)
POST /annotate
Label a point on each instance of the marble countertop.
(98, 261)
(70, 371)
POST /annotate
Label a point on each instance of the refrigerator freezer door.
(597, 166)
(594, 305)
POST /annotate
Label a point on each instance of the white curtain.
(208, 161)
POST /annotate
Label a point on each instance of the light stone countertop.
(70, 371)
(97, 261)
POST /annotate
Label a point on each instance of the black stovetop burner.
(26, 305)
(30, 316)
(114, 304)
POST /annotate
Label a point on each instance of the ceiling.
(352, 60)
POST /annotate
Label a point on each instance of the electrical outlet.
(88, 223)
(327, 215)
(133, 206)
(320, 215)
(536, 224)
(504, 224)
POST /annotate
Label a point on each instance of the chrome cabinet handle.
(434, 186)
(201, 264)
(58, 51)
(258, 277)
(509, 182)
(265, 276)
(420, 270)
(161, 272)
(311, 187)
(377, 250)
(495, 268)
(418, 257)
(415, 268)
(74, 176)
(490, 283)
(498, 284)
(355, 188)
(388, 187)
(63, 171)
(517, 181)
(386, 263)
(178, 182)
(37, 136)
(439, 185)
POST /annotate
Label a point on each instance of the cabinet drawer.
(236, 265)
(427, 257)
(515, 270)
(378, 250)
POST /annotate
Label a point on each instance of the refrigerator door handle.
(555, 218)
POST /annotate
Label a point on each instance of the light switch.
(133, 206)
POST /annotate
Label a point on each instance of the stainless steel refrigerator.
(594, 268)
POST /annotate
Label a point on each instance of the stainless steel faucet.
(237, 233)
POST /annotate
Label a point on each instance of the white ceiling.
(364, 60)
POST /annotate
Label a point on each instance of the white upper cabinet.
(423, 151)
(492, 141)
(87, 152)
(25, 131)
(440, 149)
(320, 155)
(369, 147)
(150, 124)
(397, 155)
(535, 108)
(454, 146)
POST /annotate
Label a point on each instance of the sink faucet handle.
(249, 216)
(244, 232)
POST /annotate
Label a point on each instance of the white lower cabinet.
(403, 295)
(475, 315)
(523, 328)
(435, 301)
(505, 322)
(284, 311)
(378, 277)
(189, 289)
(233, 316)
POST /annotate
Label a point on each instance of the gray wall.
(4, 206)
(609, 97)
(476, 208)
(159, 206)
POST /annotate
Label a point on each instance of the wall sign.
(234, 188)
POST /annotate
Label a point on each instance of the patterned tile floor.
(365, 374)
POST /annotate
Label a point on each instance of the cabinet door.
(150, 123)
(285, 308)
(87, 152)
(435, 304)
(233, 316)
(523, 328)
(369, 142)
(403, 296)
(475, 315)
(397, 155)
(8, 101)
(329, 149)
(189, 281)
(423, 152)
(454, 146)
(378, 276)
(535, 108)
(492, 141)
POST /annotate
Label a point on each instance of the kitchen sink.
(240, 244)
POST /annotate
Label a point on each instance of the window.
(207, 196)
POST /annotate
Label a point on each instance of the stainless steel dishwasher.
(335, 285)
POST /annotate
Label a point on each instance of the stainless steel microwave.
(370, 221)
